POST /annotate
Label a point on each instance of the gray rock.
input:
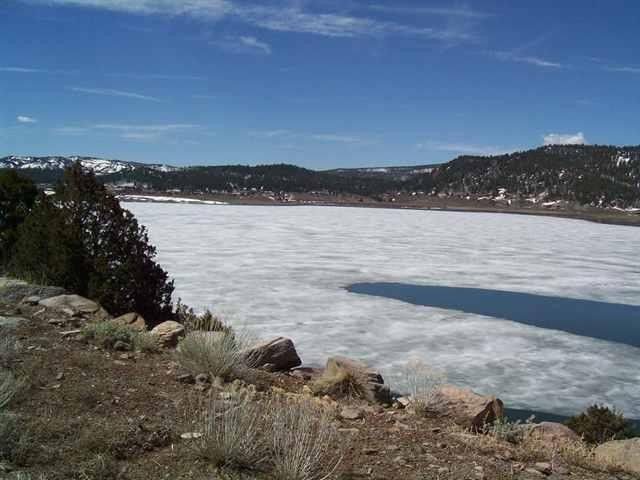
(11, 323)
(76, 306)
(278, 354)
(621, 453)
(13, 291)
(121, 346)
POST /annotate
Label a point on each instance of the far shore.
(591, 214)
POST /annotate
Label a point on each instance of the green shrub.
(205, 322)
(17, 196)
(83, 240)
(600, 424)
(107, 334)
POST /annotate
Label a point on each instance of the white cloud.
(464, 12)
(271, 133)
(269, 17)
(331, 137)
(132, 131)
(21, 70)
(531, 60)
(25, 119)
(212, 9)
(243, 44)
(463, 148)
(114, 93)
(565, 139)
(635, 70)
(254, 43)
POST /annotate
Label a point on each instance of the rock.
(351, 413)
(70, 333)
(543, 467)
(553, 432)
(202, 378)
(190, 435)
(76, 306)
(131, 320)
(403, 402)
(279, 354)
(621, 453)
(168, 333)
(186, 378)
(120, 346)
(32, 300)
(381, 392)
(11, 322)
(466, 408)
(13, 291)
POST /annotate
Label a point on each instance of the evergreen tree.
(17, 196)
(83, 240)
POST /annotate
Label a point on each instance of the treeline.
(586, 174)
(81, 239)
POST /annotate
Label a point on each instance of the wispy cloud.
(290, 135)
(25, 119)
(529, 59)
(270, 17)
(565, 139)
(463, 11)
(128, 131)
(271, 133)
(332, 137)
(243, 44)
(155, 76)
(463, 148)
(21, 70)
(114, 93)
(627, 69)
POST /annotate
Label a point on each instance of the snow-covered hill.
(100, 166)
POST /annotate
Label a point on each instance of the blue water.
(605, 321)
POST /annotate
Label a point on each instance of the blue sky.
(317, 83)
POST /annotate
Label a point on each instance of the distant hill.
(594, 175)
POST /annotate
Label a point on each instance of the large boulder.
(553, 433)
(132, 320)
(168, 333)
(76, 306)
(624, 454)
(380, 391)
(466, 408)
(278, 354)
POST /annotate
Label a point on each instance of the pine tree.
(83, 240)
(17, 196)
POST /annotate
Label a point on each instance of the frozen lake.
(283, 271)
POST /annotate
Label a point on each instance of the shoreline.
(604, 217)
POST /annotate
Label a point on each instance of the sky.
(317, 83)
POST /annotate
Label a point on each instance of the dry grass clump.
(303, 441)
(219, 354)
(288, 439)
(146, 342)
(8, 388)
(340, 382)
(8, 350)
(422, 383)
(227, 433)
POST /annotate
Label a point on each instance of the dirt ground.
(87, 413)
